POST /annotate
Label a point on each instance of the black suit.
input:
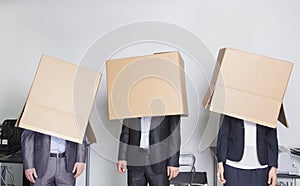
(164, 144)
(230, 143)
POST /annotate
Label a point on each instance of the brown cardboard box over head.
(60, 100)
(152, 85)
(249, 86)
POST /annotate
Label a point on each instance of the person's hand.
(172, 172)
(78, 169)
(122, 166)
(31, 175)
(272, 180)
(220, 173)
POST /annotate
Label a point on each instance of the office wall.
(69, 29)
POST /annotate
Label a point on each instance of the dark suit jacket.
(164, 141)
(230, 143)
(36, 151)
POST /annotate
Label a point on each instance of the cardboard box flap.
(245, 106)
(61, 97)
(90, 135)
(282, 117)
(137, 87)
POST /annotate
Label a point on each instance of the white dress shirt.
(145, 130)
(58, 145)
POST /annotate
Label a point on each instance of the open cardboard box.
(152, 85)
(60, 100)
(249, 86)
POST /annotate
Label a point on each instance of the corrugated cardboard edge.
(40, 130)
(18, 120)
(282, 117)
(270, 125)
(209, 93)
(90, 135)
(183, 86)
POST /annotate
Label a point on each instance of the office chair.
(187, 175)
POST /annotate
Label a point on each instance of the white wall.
(66, 29)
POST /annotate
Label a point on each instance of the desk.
(287, 180)
(11, 157)
(11, 169)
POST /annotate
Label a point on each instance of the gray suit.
(36, 152)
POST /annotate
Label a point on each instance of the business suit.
(36, 153)
(164, 149)
(230, 146)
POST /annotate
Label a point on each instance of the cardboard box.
(249, 86)
(152, 85)
(60, 99)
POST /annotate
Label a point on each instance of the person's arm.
(272, 178)
(272, 145)
(27, 144)
(220, 173)
(81, 151)
(223, 140)
(222, 148)
(123, 145)
(80, 159)
(174, 146)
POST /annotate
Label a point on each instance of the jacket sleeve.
(27, 143)
(223, 140)
(272, 144)
(124, 139)
(81, 151)
(174, 141)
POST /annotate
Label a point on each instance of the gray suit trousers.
(56, 173)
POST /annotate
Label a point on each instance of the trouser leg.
(48, 178)
(62, 177)
(136, 178)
